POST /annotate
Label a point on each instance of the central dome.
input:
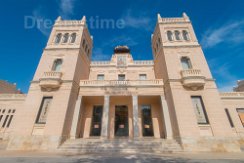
(121, 49)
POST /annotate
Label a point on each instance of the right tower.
(196, 110)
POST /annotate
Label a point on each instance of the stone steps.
(116, 145)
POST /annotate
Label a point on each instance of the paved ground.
(119, 158)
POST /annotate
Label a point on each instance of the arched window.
(170, 36)
(186, 63)
(57, 65)
(72, 37)
(185, 35)
(177, 35)
(65, 38)
(58, 38)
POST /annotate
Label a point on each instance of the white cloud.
(232, 32)
(137, 20)
(66, 7)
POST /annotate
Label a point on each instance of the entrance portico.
(130, 117)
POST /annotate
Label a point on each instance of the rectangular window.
(5, 121)
(43, 111)
(10, 120)
(143, 76)
(229, 117)
(199, 110)
(240, 112)
(121, 77)
(100, 77)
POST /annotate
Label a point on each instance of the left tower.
(45, 119)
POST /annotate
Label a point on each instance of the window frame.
(170, 38)
(55, 63)
(65, 38)
(185, 35)
(73, 38)
(121, 75)
(100, 76)
(229, 118)
(58, 36)
(189, 64)
(177, 35)
(37, 121)
(145, 75)
(203, 109)
(237, 109)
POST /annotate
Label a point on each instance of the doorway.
(121, 127)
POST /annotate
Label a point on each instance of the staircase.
(120, 145)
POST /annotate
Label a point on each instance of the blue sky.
(219, 26)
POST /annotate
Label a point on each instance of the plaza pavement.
(42, 157)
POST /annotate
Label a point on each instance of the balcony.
(51, 80)
(192, 78)
(120, 83)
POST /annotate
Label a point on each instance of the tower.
(47, 114)
(196, 110)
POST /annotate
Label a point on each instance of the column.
(166, 117)
(135, 116)
(105, 119)
(76, 117)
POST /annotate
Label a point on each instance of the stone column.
(166, 117)
(76, 117)
(135, 116)
(105, 119)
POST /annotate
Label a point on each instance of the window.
(10, 120)
(229, 117)
(170, 35)
(57, 65)
(73, 38)
(186, 63)
(241, 115)
(5, 121)
(143, 76)
(58, 38)
(177, 35)
(121, 77)
(185, 35)
(199, 110)
(100, 77)
(65, 38)
(43, 111)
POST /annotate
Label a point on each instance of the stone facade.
(172, 97)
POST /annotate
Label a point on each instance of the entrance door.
(121, 127)
(96, 121)
(147, 124)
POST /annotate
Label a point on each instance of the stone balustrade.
(5, 97)
(192, 78)
(50, 80)
(173, 20)
(99, 63)
(111, 83)
(231, 95)
(144, 62)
